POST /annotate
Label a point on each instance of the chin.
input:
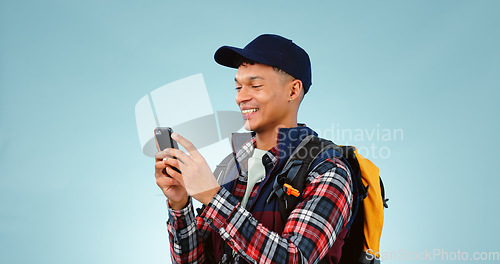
(247, 125)
(250, 127)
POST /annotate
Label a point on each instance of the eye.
(237, 88)
(256, 86)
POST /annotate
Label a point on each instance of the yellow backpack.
(362, 243)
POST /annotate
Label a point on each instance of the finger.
(179, 154)
(160, 155)
(160, 165)
(167, 181)
(171, 162)
(185, 143)
(173, 173)
(160, 170)
(176, 176)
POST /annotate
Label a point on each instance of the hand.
(196, 176)
(172, 189)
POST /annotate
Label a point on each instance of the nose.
(242, 96)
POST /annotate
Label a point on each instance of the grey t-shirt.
(256, 172)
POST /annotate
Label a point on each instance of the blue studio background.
(76, 188)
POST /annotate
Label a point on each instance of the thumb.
(175, 175)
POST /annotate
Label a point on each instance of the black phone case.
(164, 140)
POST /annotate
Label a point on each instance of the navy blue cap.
(272, 50)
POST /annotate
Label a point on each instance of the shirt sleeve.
(311, 228)
(186, 235)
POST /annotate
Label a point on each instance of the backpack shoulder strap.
(290, 183)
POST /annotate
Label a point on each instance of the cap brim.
(227, 56)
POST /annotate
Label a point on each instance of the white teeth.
(248, 111)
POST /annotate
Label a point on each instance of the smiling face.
(263, 95)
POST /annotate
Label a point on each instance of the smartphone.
(163, 136)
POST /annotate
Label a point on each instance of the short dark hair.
(240, 60)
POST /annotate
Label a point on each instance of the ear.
(295, 89)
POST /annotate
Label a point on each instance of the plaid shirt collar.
(246, 152)
(288, 140)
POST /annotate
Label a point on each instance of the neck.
(266, 140)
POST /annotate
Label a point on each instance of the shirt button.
(209, 220)
(246, 178)
(231, 243)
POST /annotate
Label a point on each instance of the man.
(239, 223)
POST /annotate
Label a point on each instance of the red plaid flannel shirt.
(310, 231)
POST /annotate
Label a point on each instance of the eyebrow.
(251, 78)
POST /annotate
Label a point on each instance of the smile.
(248, 111)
